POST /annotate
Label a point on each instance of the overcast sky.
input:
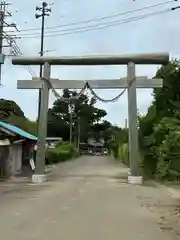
(155, 34)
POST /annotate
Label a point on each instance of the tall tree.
(84, 113)
(8, 108)
(167, 98)
(101, 130)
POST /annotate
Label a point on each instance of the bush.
(123, 153)
(62, 152)
(114, 149)
(123, 156)
(161, 150)
(168, 166)
(149, 161)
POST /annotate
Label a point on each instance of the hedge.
(62, 152)
(122, 155)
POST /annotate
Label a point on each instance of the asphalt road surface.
(86, 199)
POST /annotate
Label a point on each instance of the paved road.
(86, 199)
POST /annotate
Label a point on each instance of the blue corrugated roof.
(17, 130)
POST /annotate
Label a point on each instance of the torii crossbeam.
(136, 82)
(141, 82)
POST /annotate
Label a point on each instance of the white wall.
(16, 158)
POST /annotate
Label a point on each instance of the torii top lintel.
(150, 58)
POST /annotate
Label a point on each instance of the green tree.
(8, 108)
(167, 98)
(101, 130)
(11, 113)
(84, 113)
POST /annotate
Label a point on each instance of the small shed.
(14, 144)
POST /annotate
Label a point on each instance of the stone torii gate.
(135, 82)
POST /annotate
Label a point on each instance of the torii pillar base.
(135, 180)
(39, 178)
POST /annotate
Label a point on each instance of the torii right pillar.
(134, 151)
(134, 156)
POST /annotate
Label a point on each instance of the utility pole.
(78, 132)
(3, 24)
(126, 123)
(2, 13)
(70, 118)
(70, 126)
(44, 11)
(70, 100)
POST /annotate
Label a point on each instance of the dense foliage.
(159, 129)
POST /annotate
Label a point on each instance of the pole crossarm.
(150, 58)
(141, 82)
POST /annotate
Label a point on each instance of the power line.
(16, 51)
(97, 27)
(100, 18)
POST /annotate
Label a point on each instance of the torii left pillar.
(40, 176)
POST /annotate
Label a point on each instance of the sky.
(155, 34)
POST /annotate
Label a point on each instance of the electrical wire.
(97, 27)
(101, 18)
(11, 42)
(16, 51)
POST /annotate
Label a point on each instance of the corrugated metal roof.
(17, 130)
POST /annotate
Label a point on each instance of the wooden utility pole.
(126, 123)
(2, 13)
(131, 82)
(70, 100)
(78, 132)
